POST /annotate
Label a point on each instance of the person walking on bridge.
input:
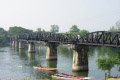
(78, 37)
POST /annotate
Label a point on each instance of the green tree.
(39, 29)
(105, 63)
(118, 25)
(83, 32)
(113, 29)
(26, 79)
(111, 59)
(3, 34)
(14, 31)
(74, 29)
(54, 28)
(2, 31)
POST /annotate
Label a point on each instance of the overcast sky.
(92, 15)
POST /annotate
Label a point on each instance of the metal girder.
(95, 38)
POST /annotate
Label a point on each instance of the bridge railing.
(48, 36)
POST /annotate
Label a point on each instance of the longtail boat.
(44, 68)
(61, 76)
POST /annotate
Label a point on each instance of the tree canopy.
(115, 28)
(2, 31)
(3, 34)
(54, 28)
(109, 60)
(14, 31)
(105, 63)
(74, 29)
(83, 32)
(40, 30)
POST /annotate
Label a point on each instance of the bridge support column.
(31, 47)
(80, 58)
(16, 43)
(13, 43)
(21, 45)
(10, 41)
(51, 51)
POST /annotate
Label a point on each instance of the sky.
(92, 15)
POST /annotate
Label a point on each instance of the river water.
(17, 64)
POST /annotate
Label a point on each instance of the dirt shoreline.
(113, 79)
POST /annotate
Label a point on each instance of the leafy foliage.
(3, 34)
(14, 31)
(26, 79)
(40, 30)
(118, 25)
(74, 29)
(111, 59)
(115, 28)
(2, 31)
(105, 63)
(54, 28)
(117, 60)
(83, 32)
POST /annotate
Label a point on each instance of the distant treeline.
(15, 30)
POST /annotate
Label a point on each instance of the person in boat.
(40, 66)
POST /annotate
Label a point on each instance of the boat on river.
(62, 76)
(45, 68)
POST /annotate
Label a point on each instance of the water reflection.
(31, 56)
(83, 73)
(22, 53)
(13, 48)
(28, 60)
(91, 52)
(51, 64)
(32, 60)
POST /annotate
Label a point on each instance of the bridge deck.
(99, 38)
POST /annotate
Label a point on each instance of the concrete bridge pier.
(31, 47)
(13, 42)
(80, 58)
(10, 41)
(51, 51)
(21, 45)
(16, 43)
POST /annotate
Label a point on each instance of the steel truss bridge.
(98, 38)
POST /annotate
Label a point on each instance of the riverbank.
(113, 79)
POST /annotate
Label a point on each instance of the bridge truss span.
(101, 38)
(49, 37)
(98, 38)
